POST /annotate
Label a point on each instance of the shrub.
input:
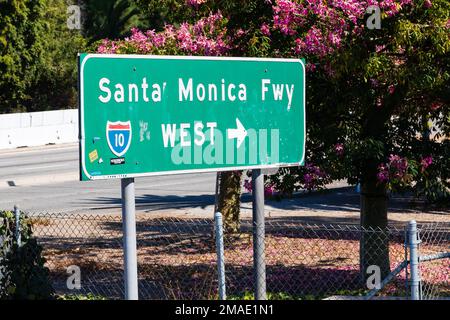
(22, 271)
(88, 296)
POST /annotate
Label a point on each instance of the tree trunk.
(374, 246)
(229, 201)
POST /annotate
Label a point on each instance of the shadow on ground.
(334, 200)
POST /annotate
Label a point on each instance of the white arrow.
(239, 133)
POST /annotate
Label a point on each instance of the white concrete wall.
(38, 128)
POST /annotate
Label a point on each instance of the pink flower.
(374, 83)
(287, 16)
(329, 69)
(140, 40)
(195, 3)
(159, 40)
(314, 177)
(265, 29)
(269, 190)
(383, 173)
(379, 102)
(426, 162)
(308, 178)
(315, 43)
(103, 48)
(240, 32)
(310, 67)
(379, 48)
(435, 106)
(333, 21)
(398, 162)
(107, 46)
(248, 185)
(398, 165)
(334, 39)
(427, 4)
(299, 46)
(391, 89)
(396, 168)
(339, 149)
(169, 31)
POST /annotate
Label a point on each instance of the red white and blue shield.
(119, 136)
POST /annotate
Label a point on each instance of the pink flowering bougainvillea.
(205, 37)
(319, 26)
(314, 178)
(400, 170)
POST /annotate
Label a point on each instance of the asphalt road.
(45, 179)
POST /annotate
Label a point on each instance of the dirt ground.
(176, 249)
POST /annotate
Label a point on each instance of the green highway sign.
(152, 115)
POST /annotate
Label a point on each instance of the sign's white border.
(136, 56)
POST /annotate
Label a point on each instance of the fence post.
(414, 260)
(17, 220)
(220, 255)
(259, 259)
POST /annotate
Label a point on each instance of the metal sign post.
(259, 259)
(129, 239)
(216, 194)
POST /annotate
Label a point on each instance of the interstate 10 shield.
(118, 135)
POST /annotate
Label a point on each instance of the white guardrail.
(38, 128)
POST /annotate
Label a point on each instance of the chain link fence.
(315, 261)
(434, 243)
(177, 257)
